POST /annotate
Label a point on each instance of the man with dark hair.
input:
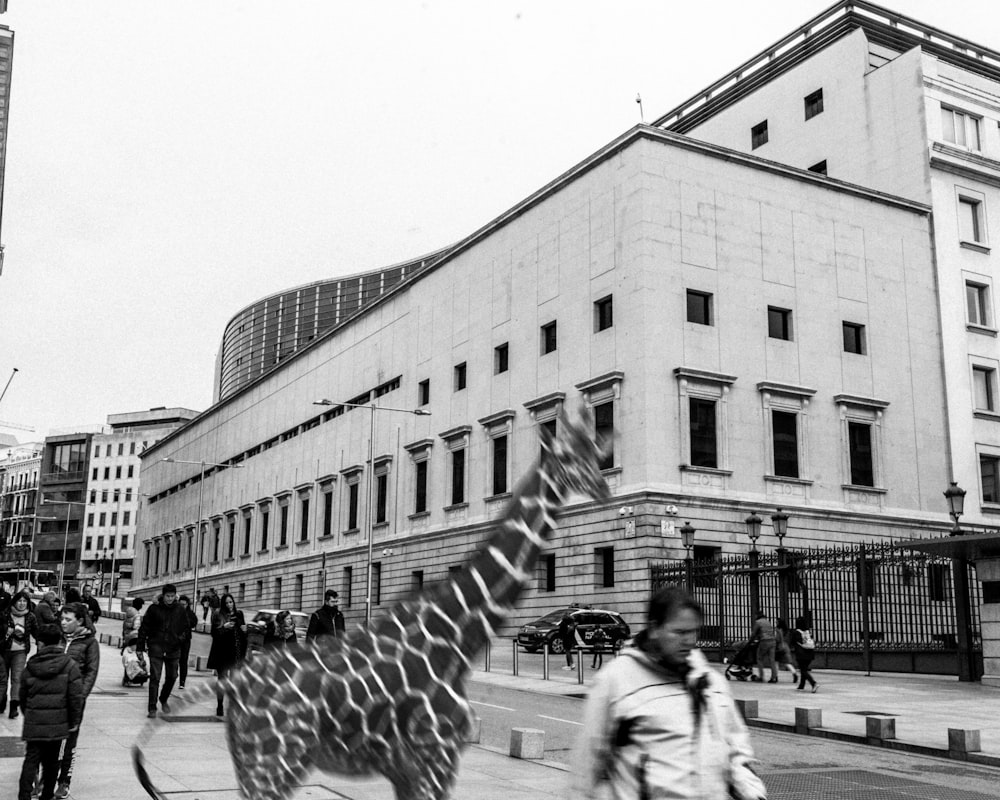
(659, 721)
(80, 645)
(47, 613)
(327, 619)
(91, 602)
(162, 633)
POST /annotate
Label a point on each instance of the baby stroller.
(135, 671)
(741, 665)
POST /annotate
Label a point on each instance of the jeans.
(12, 665)
(155, 670)
(765, 658)
(805, 661)
(46, 754)
(183, 665)
(68, 757)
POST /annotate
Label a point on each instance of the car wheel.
(556, 646)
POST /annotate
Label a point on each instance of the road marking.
(490, 705)
(557, 719)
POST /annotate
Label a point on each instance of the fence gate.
(871, 606)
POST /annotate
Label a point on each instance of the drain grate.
(857, 784)
(11, 747)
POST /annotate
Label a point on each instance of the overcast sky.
(169, 163)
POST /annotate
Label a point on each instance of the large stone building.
(19, 468)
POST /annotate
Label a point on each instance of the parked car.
(533, 636)
(257, 626)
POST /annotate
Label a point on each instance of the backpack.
(807, 642)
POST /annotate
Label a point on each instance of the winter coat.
(648, 732)
(228, 644)
(325, 621)
(93, 607)
(51, 695)
(47, 617)
(163, 629)
(86, 652)
(192, 623)
(763, 630)
(130, 624)
(8, 629)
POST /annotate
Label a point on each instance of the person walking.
(660, 722)
(80, 644)
(133, 618)
(192, 623)
(47, 613)
(17, 627)
(597, 643)
(804, 647)
(205, 607)
(783, 649)
(92, 605)
(327, 619)
(228, 642)
(161, 634)
(51, 696)
(214, 602)
(763, 634)
(567, 635)
(280, 631)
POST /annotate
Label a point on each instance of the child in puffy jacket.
(134, 664)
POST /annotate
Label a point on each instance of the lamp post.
(779, 521)
(372, 408)
(62, 564)
(201, 499)
(955, 495)
(967, 667)
(687, 539)
(753, 523)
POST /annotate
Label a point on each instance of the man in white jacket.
(660, 724)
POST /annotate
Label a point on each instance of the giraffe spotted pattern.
(390, 699)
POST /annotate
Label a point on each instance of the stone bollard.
(527, 743)
(808, 718)
(102, 638)
(961, 741)
(748, 708)
(475, 731)
(197, 664)
(880, 728)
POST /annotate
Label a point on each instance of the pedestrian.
(228, 642)
(783, 649)
(327, 619)
(73, 596)
(205, 607)
(763, 634)
(80, 644)
(280, 631)
(214, 601)
(567, 635)
(805, 649)
(133, 618)
(660, 722)
(47, 613)
(161, 634)
(599, 640)
(51, 696)
(5, 596)
(92, 605)
(135, 672)
(192, 623)
(17, 627)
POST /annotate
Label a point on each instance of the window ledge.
(419, 515)
(979, 248)
(244, 555)
(301, 542)
(608, 471)
(326, 537)
(495, 497)
(281, 547)
(263, 550)
(986, 330)
(990, 508)
(993, 416)
(379, 525)
(351, 531)
(456, 506)
(706, 470)
(786, 479)
(864, 489)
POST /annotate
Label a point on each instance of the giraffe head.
(572, 458)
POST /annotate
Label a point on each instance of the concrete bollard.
(748, 708)
(475, 731)
(197, 664)
(880, 728)
(963, 741)
(102, 638)
(527, 743)
(808, 718)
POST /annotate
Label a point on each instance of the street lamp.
(779, 521)
(753, 523)
(62, 565)
(201, 498)
(687, 539)
(372, 408)
(955, 495)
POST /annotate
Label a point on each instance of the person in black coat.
(192, 623)
(161, 634)
(52, 699)
(229, 637)
(326, 620)
(80, 644)
(91, 602)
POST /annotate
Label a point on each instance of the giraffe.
(390, 698)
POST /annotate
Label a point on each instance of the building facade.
(707, 305)
(19, 471)
(60, 509)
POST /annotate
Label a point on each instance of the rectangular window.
(420, 504)
(500, 358)
(114, 517)
(327, 513)
(423, 392)
(376, 587)
(121, 448)
(131, 471)
(458, 476)
(859, 436)
(231, 544)
(304, 519)
(265, 519)
(960, 128)
(460, 376)
(128, 494)
(813, 104)
(107, 473)
(417, 580)
(704, 443)
(381, 497)
(989, 471)
(347, 586)
(277, 592)
(125, 542)
(699, 307)
(104, 496)
(604, 428)
(784, 429)
(984, 388)
(118, 472)
(970, 221)
(89, 544)
(283, 525)
(604, 558)
(499, 464)
(352, 505)
(216, 540)
(126, 517)
(977, 303)
(854, 338)
(604, 314)
(90, 522)
(102, 519)
(93, 495)
(131, 448)
(241, 593)
(93, 475)
(549, 337)
(758, 135)
(779, 323)
(260, 589)
(97, 454)
(247, 533)
(549, 572)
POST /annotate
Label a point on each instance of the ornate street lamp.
(955, 495)
(780, 522)
(753, 523)
(687, 539)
